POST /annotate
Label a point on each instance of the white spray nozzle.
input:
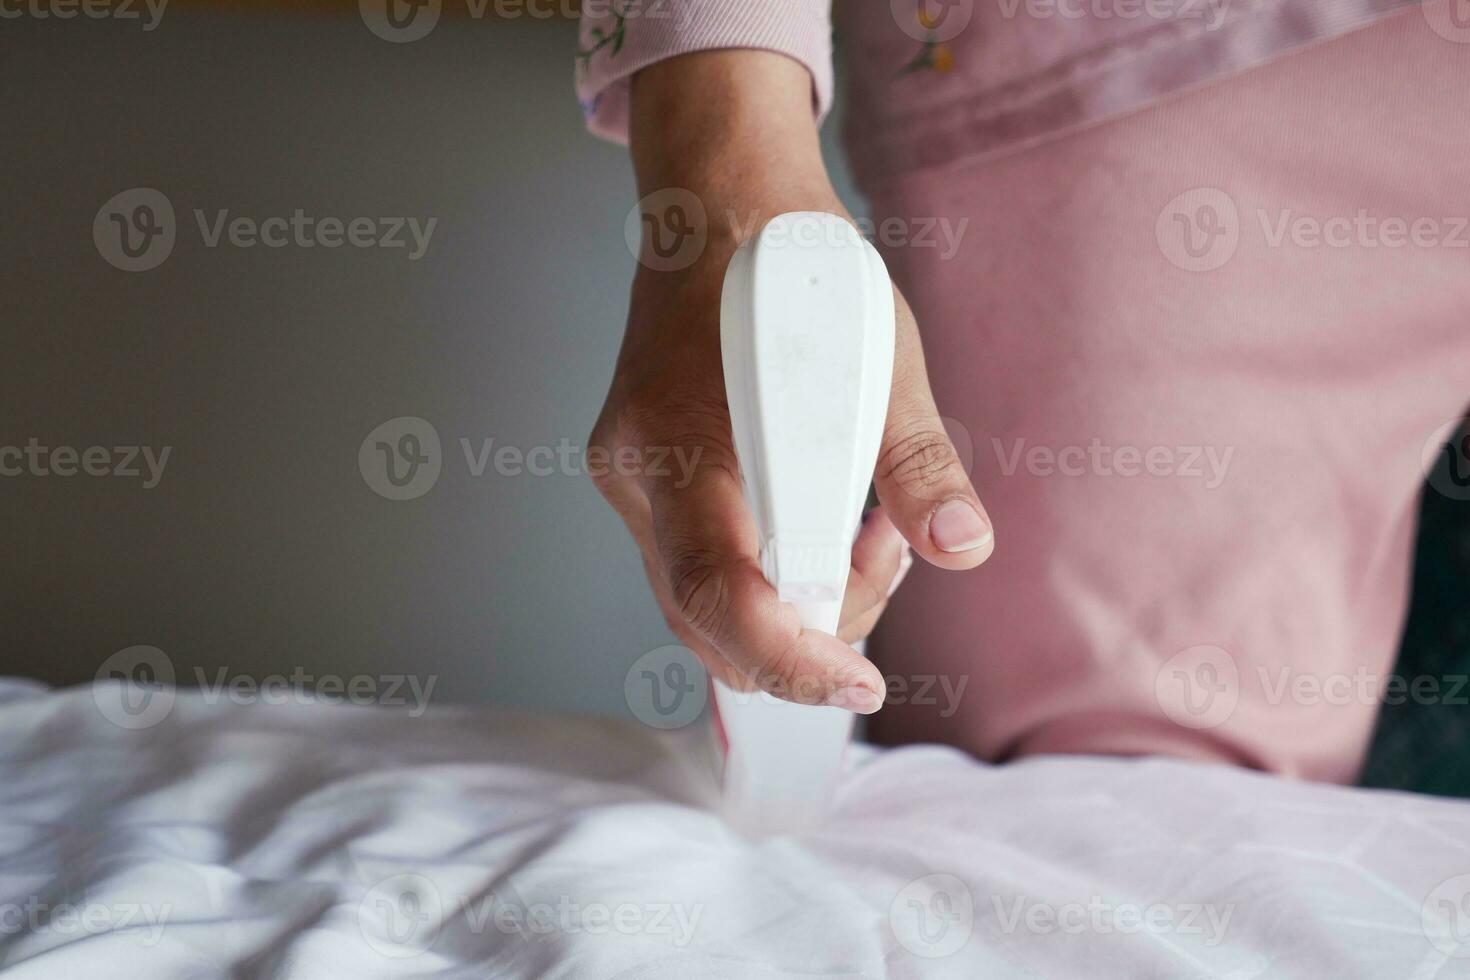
(806, 335)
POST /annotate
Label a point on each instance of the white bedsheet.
(313, 841)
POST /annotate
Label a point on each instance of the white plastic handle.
(806, 335)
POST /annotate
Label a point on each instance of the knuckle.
(701, 590)
(920, 461)
(670, 409)
(602, 444)
(687, 426)
(605, 478)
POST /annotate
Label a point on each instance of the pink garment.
(1200, 429)
(1229, 611)
(937, 81)
(1021, 70)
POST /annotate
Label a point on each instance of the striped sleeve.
(618, 37)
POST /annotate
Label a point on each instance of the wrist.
(734, 128)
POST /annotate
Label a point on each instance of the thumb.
(919, 478)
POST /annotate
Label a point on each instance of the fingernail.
(858, 699)
(904, 564)
(957, 526)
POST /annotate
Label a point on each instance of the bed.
(318, 841)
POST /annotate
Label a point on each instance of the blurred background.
(262, 546)
(250, 372)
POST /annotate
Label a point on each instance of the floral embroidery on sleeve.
(604, 39)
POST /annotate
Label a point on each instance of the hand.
(697, 537)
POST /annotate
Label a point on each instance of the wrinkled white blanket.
(316, 841)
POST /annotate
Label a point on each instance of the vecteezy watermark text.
(1208, 463)
(403, 915)
(1211, 13)
(402, 459)
(1100, 916)
(149, 12)
(127, 462)
(668, 229)
(136, 230)
(405, 21)
(299, 687)
(37, 917)
(302, 230)
(667, 688)
(568, 459)
(1201, 687)
(1201, 230)
(1363, 229)
(939, 233)
(134, 688)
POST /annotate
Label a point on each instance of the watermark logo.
(400, 21)
(933, 916)
(1198, 687)
(149, 12)
(405, 21)
(667, 230)
(135, 230)
(146, 696)
(1360, 687)
(1211, 13)
(1445, 917)
(1450, 19)
(1199, 230)
(1208, 464)
(941, 234)
(409, 691)
(506, 911)
(1103, 917)
(123, 462)
(72, 921)
(1363, 230)
(666, 688)
(1447, 459)
(401, 916)
(941, 691)
(932, 21)
(302, 230)
(566, 459)
(401, 459)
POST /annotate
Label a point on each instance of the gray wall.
(262, 548)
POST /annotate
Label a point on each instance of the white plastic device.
(806, 335)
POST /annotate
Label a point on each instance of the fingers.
(707, 549)
(919, 477)
(880, 559)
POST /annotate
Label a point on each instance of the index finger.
(709, 550)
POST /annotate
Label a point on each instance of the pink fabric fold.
(1018, 71)
(938, 82)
